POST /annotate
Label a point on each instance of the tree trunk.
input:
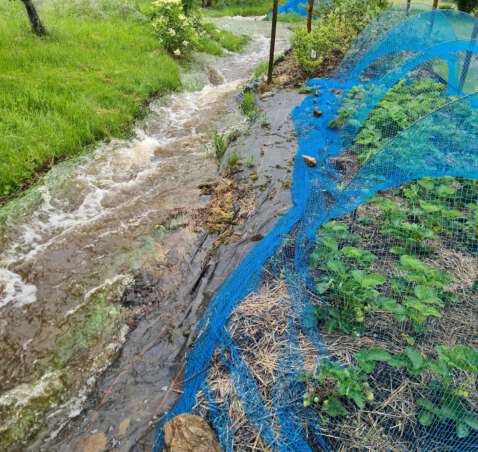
(35, 20)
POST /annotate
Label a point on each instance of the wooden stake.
(309, 15)
(469, 55)
(273, 41)
(434, 7)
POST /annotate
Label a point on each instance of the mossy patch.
(83, 350)
(22, 408)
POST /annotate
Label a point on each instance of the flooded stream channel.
(70, 246)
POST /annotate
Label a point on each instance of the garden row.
(398, 286)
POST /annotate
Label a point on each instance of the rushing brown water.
(71, 245)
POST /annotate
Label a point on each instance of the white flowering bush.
(176, 32)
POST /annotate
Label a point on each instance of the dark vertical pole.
(409, 4)
(309, 15)
(273, 41)
(469, 55)
(434, 7)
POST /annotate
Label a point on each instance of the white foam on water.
(87, 193)
(14, 290)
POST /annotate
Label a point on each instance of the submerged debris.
(317, 112)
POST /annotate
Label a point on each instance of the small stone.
(317, 113)
(189, 433)
(309, 161)
(123, 426)
(257, 238)
(94, 443)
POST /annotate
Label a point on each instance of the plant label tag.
(313, 54)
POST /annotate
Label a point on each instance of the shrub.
(334, 32)
(356, 13)
(329, 37)
(176, 32)
(466, 5)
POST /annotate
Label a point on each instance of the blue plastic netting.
(294, 7)
(300, 7)
(364, 296)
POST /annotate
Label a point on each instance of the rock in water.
(214, 76)
(188, 433)
(94, 443)
(317, 113)
(310, 161)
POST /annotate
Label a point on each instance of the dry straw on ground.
(260, 328)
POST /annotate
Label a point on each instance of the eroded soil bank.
(113, 257)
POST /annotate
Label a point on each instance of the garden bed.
(260, 329)
(397, 297)
(370, 316)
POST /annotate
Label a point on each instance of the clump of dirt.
(232, 202)
(143, 291)
(221, 212)
(329, 65)
(347, 165)
(288, 73)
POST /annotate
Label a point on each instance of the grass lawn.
(223, 8)
(86, 81)
(240, 8)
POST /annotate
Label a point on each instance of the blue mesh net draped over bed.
(393, 199)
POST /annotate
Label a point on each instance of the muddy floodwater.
(71, 246)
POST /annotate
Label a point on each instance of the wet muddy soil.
(145, 379)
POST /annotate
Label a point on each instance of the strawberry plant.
(412, 237)
(345, 280)
(448, 407)
(367, 358)
(411, 360)
(349, 105)
(449, 396)
(423, 286)
(399, 108)
(353, 295)
(437, 204)
(335, 386)
(454, 376)
(337, 389)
